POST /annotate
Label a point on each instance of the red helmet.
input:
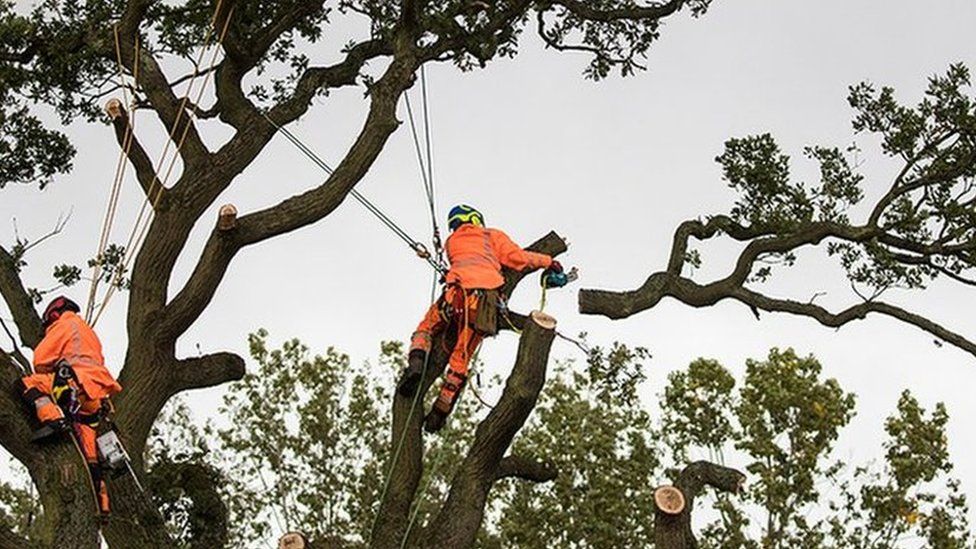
(56, 308)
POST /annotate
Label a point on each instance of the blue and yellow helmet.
(462, 214)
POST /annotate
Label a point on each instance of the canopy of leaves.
(29, 152)
(925, 221)
(306, 448)
(782, 424)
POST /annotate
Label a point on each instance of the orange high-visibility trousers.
(463, 306)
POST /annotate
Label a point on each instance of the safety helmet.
(461, 214)
(56, 308)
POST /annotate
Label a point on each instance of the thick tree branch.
(672, 523)
(586, 10)
(206, 371)
(153, 82)
(19, 301)
(460, 517)
(253, 131)
(14, 426)
(127, 140)
(687, 291)
(293, 213)
(525, 469)
(670, 283)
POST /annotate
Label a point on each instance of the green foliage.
(20, 510)
(615, 374)
(904, 500)
(296, 441)
(782, 424)
(695, 408)
(789, 420)
(604, 449)
(925, 219)
(29, 152)
(306, 447)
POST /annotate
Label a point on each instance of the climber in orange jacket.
(476, 255)
(70, 376)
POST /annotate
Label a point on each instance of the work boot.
(450, 389)
(435, 420)
(413, 374)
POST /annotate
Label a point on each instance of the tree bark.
(672, 522)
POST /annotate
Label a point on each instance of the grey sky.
(614, 166)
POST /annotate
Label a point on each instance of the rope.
(138, 234)
(120, 168)
(415, 245)
(545, 289)
(426, 169)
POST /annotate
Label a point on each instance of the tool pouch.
(486, 318)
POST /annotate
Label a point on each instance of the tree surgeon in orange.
(70, 384)
(468, 304)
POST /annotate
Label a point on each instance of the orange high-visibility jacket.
(477, 255)
(70, 338)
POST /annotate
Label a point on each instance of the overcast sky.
(614, 166)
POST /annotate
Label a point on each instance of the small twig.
(58, 227)
(579, 344)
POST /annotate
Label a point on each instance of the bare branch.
(152, 81)
(670, 283)
(293, 213)
(253, 131)
(206, 371)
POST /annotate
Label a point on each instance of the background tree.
(919, 228)
(74, 50)
(780, 424)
